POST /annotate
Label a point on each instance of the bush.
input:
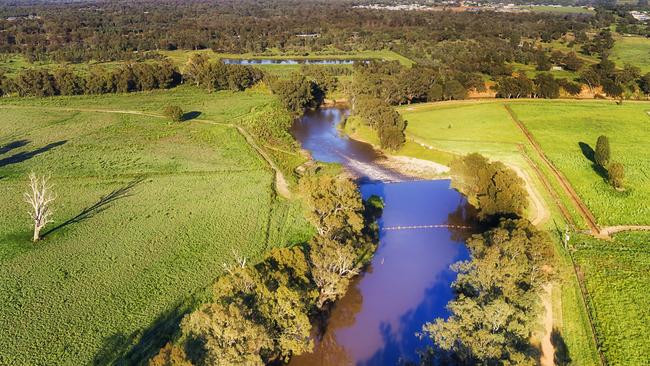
(616, 175)
(173, 112)
(601, 155)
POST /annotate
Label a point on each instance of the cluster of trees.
(129, 77)
(263, 313)
(616, 82)
(215, 75)
(494, 189)
(383, 119)
(602, 157)
(544, 85)
(87, 30)
(497, 306)
(305, 89)
(396, 84)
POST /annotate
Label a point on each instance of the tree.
(602, 153)
(336, 206)
(644, 83)
(295, 93)
(546, 86)
(491, 187)
(170, 355)
(497, 304)
(40, 197)
(333, 266)
(174, 113)
(616, 174)
(454, 90)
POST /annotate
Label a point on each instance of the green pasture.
(616, 275)
(568, 130)
(632, 50)
(146, 214)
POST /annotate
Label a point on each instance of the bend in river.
(408, 282)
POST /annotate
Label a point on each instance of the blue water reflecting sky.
(407, 285)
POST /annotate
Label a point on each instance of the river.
(408, 281)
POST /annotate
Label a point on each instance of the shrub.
(173, 112)
(601, 155)
(616, 175)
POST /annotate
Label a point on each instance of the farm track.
(281, 186)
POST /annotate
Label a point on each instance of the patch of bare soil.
(413, 167)
(548, 351)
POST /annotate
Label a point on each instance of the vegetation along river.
(408, 281)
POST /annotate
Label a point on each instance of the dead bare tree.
(40, 196)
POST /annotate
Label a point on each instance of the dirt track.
(582, 208)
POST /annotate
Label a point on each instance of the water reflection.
(407, 285)
(318, 133)
(241, 61)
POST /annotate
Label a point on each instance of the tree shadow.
(561, 356)
(12, 145)
(142, 345)
(99, 206)
(589, 153)
(190, 115)
(22, 156)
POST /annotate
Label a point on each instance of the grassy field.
(632, 50)
(147, 212)
(616, 274)
(564, 129)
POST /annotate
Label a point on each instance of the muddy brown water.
(409, 280)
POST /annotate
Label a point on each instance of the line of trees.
(497, 303)
(383, 119)
(211, 75)
(263, 312)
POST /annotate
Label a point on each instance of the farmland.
(616, 275)
(565, 129)
(632, 50)
(147, 212)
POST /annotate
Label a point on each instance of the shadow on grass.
(12, 145)
(99, 206)
(22, 156)
(589, 153)
(139, 347)
(191, 115)
(561, 356)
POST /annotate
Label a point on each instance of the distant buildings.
(640, 16)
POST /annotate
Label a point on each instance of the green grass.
(560, 127)
(616, 275)
(632, 50)
(104, 286)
